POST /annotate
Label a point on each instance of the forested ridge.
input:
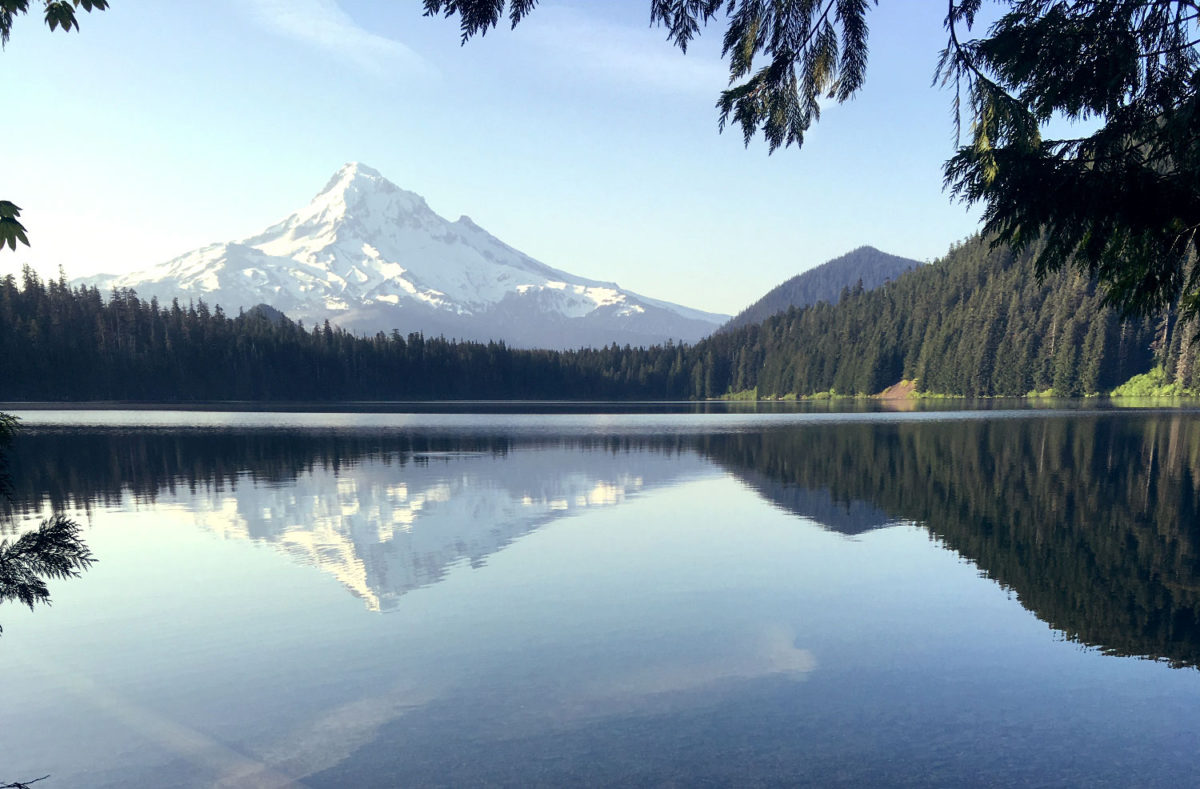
(976, 323)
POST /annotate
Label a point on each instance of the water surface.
(800, 596)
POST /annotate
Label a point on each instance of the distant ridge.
(826, 283)
(267, 313)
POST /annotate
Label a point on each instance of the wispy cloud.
(636, 56)
(323, 24)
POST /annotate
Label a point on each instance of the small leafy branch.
(58, 14)
(11, 230)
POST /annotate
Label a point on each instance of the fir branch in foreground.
(53, 550)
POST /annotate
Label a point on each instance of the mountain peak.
(374, 257)
(357, 190)
(866, 265)
(356, 174)
(360, 168)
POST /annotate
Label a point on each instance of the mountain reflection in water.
(1090, 520)
(383, 516)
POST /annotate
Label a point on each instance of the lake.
(646, 596)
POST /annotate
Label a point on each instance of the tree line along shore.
(977, 323)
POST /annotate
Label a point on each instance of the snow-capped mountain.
(370, 256)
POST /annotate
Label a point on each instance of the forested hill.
(975, 323)
(826, 282)
(978, 323)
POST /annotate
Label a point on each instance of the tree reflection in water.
(54, 550)
(1090, 520)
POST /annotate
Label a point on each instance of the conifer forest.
(977, 323)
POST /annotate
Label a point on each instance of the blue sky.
(581, 138)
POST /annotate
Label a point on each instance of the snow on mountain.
(370, 256)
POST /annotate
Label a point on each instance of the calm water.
(640, 597)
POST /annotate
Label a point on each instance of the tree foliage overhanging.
(1122, 203)
(58, 14)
